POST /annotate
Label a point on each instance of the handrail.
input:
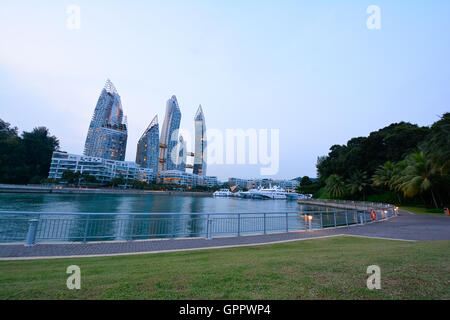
(33, 227)
(164, 213)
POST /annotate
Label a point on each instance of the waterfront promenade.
(405, 226)
(13, 188)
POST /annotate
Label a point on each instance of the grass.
(423, 210)
(332, 268)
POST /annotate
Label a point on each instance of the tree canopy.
(409, 161)
(25, 158)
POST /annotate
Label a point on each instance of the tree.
(86, 177)
(388, 176)
(306, 181)
(38, 149)
(358, 184)
(114, 182)
(383, 175)
(417, 177)
(70, 177)
(9, 157)
(335, 186)
(391, 143)
(437, 145)
(25, 159)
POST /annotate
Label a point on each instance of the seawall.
(47, 189)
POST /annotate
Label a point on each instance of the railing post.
(86, 229)
(335, 222)
(346, 218)
(239, 225)
(172, 233)
(130, 236)
(265, 229)
(287, 223)
(321, 221)
(209, 228)
(31, 235)
(310, 222)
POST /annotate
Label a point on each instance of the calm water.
(13, 227)
(137, 203)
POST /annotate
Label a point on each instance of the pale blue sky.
(309, 68)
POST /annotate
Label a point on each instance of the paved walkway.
(406, 226)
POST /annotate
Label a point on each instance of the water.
(96, 203)
(13, 227)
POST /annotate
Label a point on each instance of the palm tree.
(383, 175)
(358, 183)
(335, 186)
(437, 145)
(417, 177)
(389, 175)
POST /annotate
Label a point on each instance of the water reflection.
(121, 226)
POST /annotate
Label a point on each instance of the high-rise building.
(169, 136)
(182, 154)
(147, 154)
(107, 134)
(200, 143)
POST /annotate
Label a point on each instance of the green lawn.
(332, 268)
(423, 210)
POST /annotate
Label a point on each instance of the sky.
(311, 69)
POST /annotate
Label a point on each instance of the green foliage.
(402, 159)
(336, 186)
(387, 197)
(306, 181)
(321, 194)
(26, 158)
(366, 154)
(77, 178)
(418, 176)
(437, 145)
(307, 186)
(358, 184)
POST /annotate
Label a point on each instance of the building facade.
(182, 154)
(169, 136)
(188, 179)
(200, 143)
(107, 133)
(147, 153)
(102, 169)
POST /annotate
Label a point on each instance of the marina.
(271, 193)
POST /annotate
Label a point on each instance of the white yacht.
(223, 193)
(275, 193)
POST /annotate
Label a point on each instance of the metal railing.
(35, 227)
(351, 203)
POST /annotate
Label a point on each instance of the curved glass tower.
(200, 143)
(147, 153)
(107, 134)
(169, 135)
(182, 154)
